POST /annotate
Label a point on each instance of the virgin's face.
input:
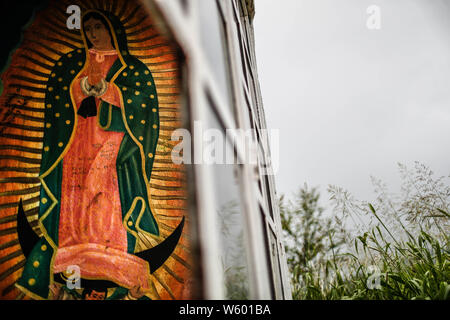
(97, 34)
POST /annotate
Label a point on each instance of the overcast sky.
(352, 102)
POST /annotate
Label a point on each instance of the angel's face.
(95, 295)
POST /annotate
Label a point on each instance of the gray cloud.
(352, 102)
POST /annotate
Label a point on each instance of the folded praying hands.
(93, 84)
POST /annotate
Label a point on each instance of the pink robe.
(91, 232)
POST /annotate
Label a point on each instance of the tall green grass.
(389, 250)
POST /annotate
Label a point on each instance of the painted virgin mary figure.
(101, 132)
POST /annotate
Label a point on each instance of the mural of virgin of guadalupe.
(101, 131)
